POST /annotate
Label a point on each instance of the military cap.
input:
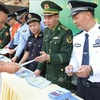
(50, 8)
(79, 6)
(10, 16)
(32, 17)
(21, 12)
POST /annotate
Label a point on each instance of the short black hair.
(92, 12)
(4, 9)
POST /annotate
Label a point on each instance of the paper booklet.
(39, 82)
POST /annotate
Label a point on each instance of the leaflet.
(4, 51)
(22, 73)
(39, 82)
(5, 59)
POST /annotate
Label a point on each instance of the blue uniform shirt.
(33, 46)
(25, 33)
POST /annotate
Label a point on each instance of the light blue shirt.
(15, 40)
(25, 33)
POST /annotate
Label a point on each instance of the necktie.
(85, 58)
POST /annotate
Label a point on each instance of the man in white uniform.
(85, 61)
(4, 66)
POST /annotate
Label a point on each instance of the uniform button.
(62, 70)
(31, 55)
(34, 44)
(45, 40)
(55, 42)
(50, 42)
(33, 49)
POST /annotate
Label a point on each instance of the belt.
(90, 84)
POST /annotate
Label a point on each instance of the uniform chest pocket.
(55, 41)
(78, 51)
(55, 45)
(46, 39)
(95, 51)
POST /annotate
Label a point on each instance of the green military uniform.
(59, 47)
(4, 36)
(58, 44)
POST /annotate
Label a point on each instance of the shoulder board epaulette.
(78, 33)
(64, 27)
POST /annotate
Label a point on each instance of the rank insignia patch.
(69, 39)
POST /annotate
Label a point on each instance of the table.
(16, 88)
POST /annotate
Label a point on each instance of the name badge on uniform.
(56, 37)
(29, 43)
(97, 43)
(77, 45)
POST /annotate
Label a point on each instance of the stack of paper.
(61, 94)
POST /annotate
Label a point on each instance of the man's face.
(81, 20)
(11, 22)
(3, 18)
(34, 27)
(51, 21)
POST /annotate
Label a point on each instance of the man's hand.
(12, 51)
(37, 72)
(9, 67)
(68, 70)
(43, 57)
(14, 58)
(84, 71)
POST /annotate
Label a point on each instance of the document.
(22, 73)
(5, 59)
(39, 82)
(4, 51)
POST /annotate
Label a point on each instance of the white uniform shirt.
(94, 51)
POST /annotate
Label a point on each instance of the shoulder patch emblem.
(24, 30)
(69, 39)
